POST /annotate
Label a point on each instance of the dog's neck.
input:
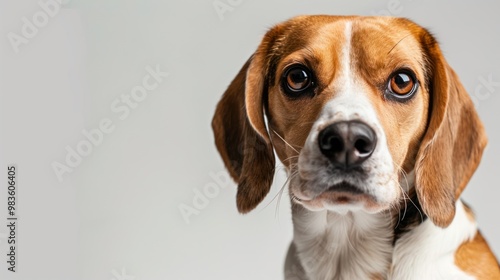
(359, 245)
(354, 245)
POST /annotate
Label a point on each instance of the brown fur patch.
(475, 258)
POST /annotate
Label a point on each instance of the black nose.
(347, 144)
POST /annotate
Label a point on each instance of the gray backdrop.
(108, 205)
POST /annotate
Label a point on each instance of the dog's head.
(353, 105)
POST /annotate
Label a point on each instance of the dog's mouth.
(344, 191)
(342, 195)
(344, 187)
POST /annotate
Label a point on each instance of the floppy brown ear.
(240, 131)
(453, 143)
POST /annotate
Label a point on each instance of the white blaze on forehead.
(350, 100)
(346, 56)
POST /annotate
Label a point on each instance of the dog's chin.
(342, 198)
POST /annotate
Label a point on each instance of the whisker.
(406, 196)
(404, 192)
(291, 160)
(276, 210)
(292, 166)
(280, 193)
(293, 197)
(285, 141)
(282, 190)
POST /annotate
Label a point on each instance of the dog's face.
(353, 104)
(336, 99)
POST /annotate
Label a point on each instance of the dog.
(379, 139)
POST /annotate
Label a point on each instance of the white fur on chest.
(355, 245)
(428, 251)
(358, 245)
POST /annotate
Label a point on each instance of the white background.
(116, 215)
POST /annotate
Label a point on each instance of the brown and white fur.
(396, 213)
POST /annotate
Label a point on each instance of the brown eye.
(402, 85)
(296, 80)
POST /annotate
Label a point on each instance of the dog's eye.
(402, 84)
(296, 80)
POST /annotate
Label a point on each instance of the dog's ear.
(453, 143)
(240, 130)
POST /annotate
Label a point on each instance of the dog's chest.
(351, 246)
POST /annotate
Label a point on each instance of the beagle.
(379, 139)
